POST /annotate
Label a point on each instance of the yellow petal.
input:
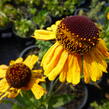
(37, 71)
(4, 86)
(37, 78)
(55, 72)
(38, 91)
(58, 22)
(95, 71)
(69, 73)
(44, 35)
(3, 96)
(86, 69)
(75, 69)
(63, 74)
(54, 60)
(11, 62)
(13, 92)
(54, 26)
(30, 61)
(48, 34)
(47, 57)
(2, 73)
(97, 56)
(101, 46)
(18, 60)
(40, 80)
(4, 67)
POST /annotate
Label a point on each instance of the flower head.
(20, 76)
(80, 37)
(78, 50)
(107, 16)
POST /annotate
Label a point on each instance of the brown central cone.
(18, 75)
(77, 34)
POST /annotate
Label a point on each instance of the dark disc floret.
(18, 75)
(77, 34)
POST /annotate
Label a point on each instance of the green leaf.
(60, 100)
(44, 46)
(6, 101)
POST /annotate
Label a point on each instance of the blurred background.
(20, 18)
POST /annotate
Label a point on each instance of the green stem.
(59, 88)
(50, 92)
(52, 86)
(46, 106)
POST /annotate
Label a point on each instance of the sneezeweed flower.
(20, 76)
(78, 50)
(107, 16)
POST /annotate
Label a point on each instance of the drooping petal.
(30, 61)
(101, 46)
(98, 57)
(95, 71)
(75, 69)
(54, 60)
(38, 91)
(48, 34)
(47, 57)
(44, 35)
(63, 74)
(55, 72)
(69, 73)
(86, 69)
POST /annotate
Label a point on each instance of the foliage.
(106, 26)
(23, 27)
(52, 100)
(94, 11)
(103, 105)
(44, 46)
(33, 13)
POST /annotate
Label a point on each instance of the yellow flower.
(107, 16)
(20, 76)
(78, 50)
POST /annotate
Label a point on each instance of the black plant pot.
(80, 101)
(32, 49)
(79, 93)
